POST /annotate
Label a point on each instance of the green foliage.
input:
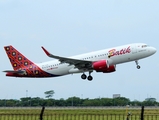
(149, 103)
(49, 94)
(107, 101)
(92, 102)
(74, 101)
(136, 103)
(121, 101)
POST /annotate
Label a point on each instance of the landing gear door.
(134, 50)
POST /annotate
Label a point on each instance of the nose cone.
(153, 50)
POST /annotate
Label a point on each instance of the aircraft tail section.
(22, 66)
(17, 59)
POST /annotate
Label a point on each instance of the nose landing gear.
(137, 63)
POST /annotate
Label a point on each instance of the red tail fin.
(17, 60)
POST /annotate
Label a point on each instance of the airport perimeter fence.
(75, 117)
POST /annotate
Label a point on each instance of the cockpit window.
(144, 46)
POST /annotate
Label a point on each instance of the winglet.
(47, 53)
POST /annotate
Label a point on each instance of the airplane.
(100, 61)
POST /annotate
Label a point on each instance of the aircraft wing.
(80, 64)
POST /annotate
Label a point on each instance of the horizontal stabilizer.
(17, 72)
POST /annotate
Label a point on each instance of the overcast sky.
(71, 27)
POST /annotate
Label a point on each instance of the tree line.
(73, 101)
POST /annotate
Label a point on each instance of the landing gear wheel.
(90, 78)
(83, 76)
(138, 66)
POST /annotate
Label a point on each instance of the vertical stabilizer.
(17, 60)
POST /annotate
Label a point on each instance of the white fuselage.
(115, 55)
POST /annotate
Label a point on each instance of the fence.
(150, 115)
(75, 117)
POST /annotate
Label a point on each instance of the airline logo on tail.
(22, 66)
(17, 60)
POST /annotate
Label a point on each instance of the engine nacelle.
(100, 65)
(103, 66)
(111, 68)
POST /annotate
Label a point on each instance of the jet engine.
(111, 68)
(103, 66)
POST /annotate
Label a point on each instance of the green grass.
(79, 111)
(77, 114)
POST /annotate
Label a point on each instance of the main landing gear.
(84, 76)
(137, 63)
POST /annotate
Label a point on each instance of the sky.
(68, 28)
